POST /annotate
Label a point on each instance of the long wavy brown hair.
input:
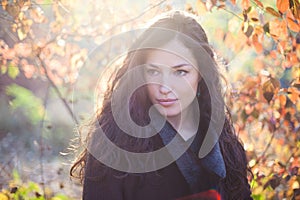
(231, 148)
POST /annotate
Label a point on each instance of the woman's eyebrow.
(175, 66)
(153, 65)
(182, 65)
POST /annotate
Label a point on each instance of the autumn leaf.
(257, 45)
(266, 28)
(28, 70)
(259, 3)
(269, 88)
(23, 49)
(210, 4)
(296, 84)
(13, 10)
(245, 4)
(292, 58)
(249, 109)
(282, 100)
(221, 6)
(4, 3)
(278, 29)
(293, 94)
(21, 34)
(292, 23)
(3, 196)
(273, 12)
(200, 7)
(254, 19)
(188, 7)
(274, 182)
(282, 5)
(295, 7)
(249, 31)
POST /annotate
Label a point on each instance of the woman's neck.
(185, 123)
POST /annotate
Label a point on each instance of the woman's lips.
(166, 102)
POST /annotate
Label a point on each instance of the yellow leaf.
(13, 71)
(4, 4)
(210, 4)
(282, 100)
(296, 185)
(21, 34)
(295, 7)
(3, 196)
(293, 94)
(200, 7)
(21, 16)
(3, 69)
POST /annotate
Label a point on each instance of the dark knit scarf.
(200, 174)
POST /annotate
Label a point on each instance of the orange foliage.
(282, 5)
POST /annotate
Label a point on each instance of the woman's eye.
(181, 72)
(152, 72)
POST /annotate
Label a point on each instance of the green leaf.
(27, 102)
(16, 175)
(258, 197)
(13, 71)
(48, 1)
(3, 69)
(33, 186)
(60, 197)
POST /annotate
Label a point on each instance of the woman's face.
(172, 80)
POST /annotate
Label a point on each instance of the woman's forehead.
(171, 54)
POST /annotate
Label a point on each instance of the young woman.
(164, 131)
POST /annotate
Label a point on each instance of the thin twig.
(265, 150)
(256, 5)
(60, 96)
(136, 17)
(42, 141)
(232, 13)
(3, 169)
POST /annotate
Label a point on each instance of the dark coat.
(168, 184)
(164, 184)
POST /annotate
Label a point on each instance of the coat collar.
(213, 162)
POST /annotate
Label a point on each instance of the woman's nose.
(164, 89)
(165, 82)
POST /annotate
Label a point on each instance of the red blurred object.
(206, 195)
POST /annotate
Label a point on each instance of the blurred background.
(48, 84)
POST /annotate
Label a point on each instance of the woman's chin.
(168, 112)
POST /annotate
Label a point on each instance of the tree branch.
(42, 64)
(136, 17)
(42, 141)
(265, 150)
